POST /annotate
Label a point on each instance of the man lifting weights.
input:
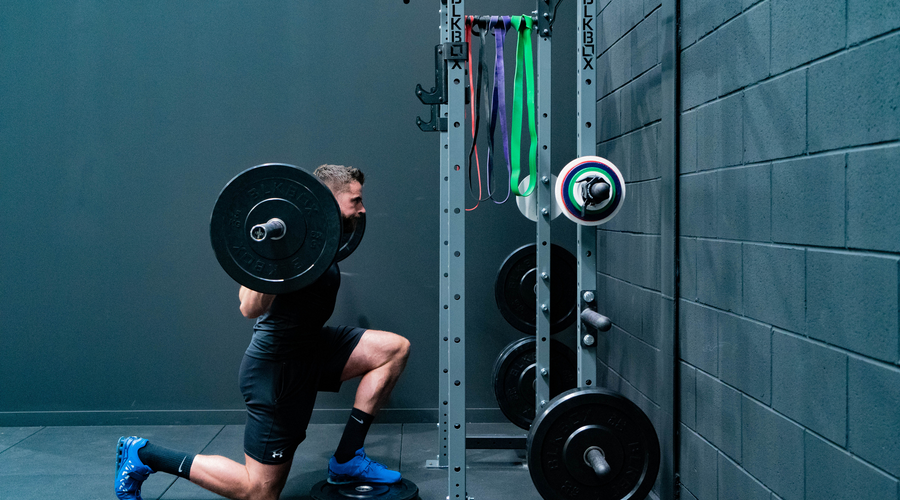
(291, 357)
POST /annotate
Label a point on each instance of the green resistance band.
(524, 77)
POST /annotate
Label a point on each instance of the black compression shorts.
(280, 395)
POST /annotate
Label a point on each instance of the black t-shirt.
(293, 322)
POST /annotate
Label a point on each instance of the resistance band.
(475, 104)
(524, 77)
(484, 86)
(498, 101)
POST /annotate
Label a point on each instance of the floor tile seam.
(219, 432)
(43, 474)
(400, 454)
(21, 440)
(169, 487)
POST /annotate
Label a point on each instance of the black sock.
(354, 435)
(165, 460)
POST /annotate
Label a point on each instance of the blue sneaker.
(130, 471)
(360, 469)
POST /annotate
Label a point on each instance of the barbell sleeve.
(273, 229)
(598, 462)
(596, 320)
(599, 191)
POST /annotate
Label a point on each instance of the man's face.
(351, 203)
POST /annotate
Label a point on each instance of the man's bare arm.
(253, 303)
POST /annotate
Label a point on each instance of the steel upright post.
(444, 278)
(586, 146)
(544, 189)
(443, 329)
(453, 176)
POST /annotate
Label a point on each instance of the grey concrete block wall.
(775, 118)
(809, 201)
(637, 352)
(743, 209)
(737, 484)
(872, 203)
(809, 385)
(829, 465)
(772, 448)
(688, 144)
(719, 274)
(640, 101)
(745, 43)
(851, 302)
(645, 157)
(719, 414)
(697, 201)
(853, 96)
(870, 18)
(773, 278)
(745, 350)
(699, 473)
(699, 73)
(719, 133)
(788, 238)
(688, 395)
(687, 268)
(803, 30)
(789, 248)
(698, 336)
(873, 426)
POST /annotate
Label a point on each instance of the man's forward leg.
(379, 358)
(217, 474)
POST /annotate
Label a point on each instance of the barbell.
(276, 228)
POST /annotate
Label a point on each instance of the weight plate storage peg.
(514, 377)
(590, 190)
(528, 204)
(275, 228)
(404, 490)
(516, 288)
(593, 444)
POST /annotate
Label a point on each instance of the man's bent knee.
(265, 482)
(401, 350)
(260, 490)
(265, 492)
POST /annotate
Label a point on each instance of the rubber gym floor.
(77, 463)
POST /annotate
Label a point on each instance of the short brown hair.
(338, 177)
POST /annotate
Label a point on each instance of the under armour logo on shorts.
(277, 454)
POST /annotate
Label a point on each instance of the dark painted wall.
(121, 122)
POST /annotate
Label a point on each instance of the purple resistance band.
(498, 102)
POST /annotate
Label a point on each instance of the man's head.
(346, 184)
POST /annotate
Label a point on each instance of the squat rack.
(448, 101)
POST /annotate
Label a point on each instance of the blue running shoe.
(360, 469)
(130, 471)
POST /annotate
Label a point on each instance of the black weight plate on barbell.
(404, 490)
(311, 216)
(579, 419)
(513, 377)
(350, 240)
(515, 292)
